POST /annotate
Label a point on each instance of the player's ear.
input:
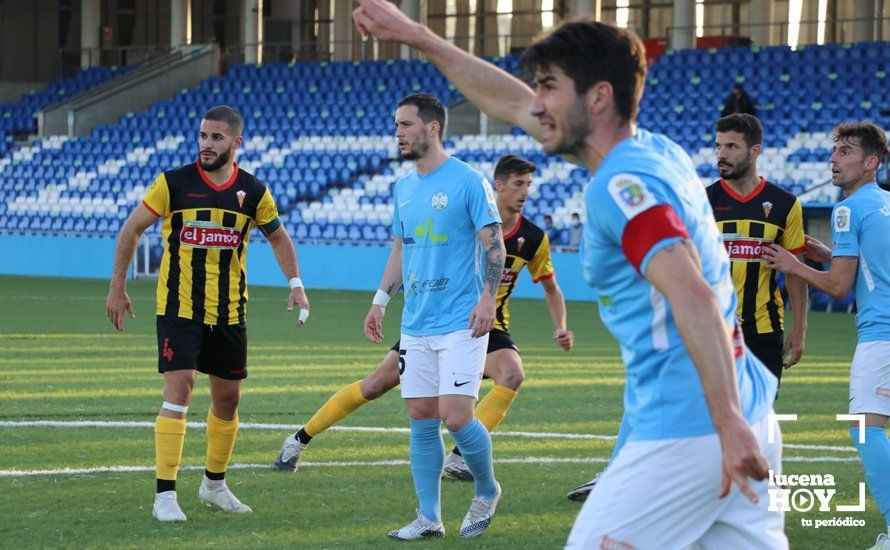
(599, 97)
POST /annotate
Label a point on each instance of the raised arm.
(118, 302)
(495, 92)
(675, 272)
(286, 256)
(389, 285)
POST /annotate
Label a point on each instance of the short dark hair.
(745, 124)
(590, 52)
(513, 164)
(229, 115)
(428, 109)
(872, 138)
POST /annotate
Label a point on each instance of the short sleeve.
(481, 204)
(157, 199)
(793, 239)
(844, 231)
(267, 214)
(541, 266)
(637, 218)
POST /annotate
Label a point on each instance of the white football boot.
(217, 493)
(478, 518)
(420, 528)
(166, 508)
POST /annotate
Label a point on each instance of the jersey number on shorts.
(402, 353)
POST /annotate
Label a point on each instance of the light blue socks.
(875, 454)
(474, 443)
(427, 456)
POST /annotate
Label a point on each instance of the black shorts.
(497, 339)
(769, 349)
(220, 350)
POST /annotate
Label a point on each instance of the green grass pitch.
(60, 360)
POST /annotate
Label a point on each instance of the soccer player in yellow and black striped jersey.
(750, 213)
(208, 209)
(527, 245)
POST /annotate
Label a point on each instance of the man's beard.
(417, 153)
(575, 132)
(738, 171)
(220, 161)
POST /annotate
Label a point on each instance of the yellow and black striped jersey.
(526, 244)
(769, 214)
(206, 229)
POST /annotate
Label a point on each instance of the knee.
(374, 386)
(456, 420)
(178, 392)
(226, 406)
(512, 377)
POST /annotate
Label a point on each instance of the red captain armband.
(648, 229)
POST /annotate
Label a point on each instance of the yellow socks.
(220, 442)
(492, 409)
(338, 407)
(169, 437)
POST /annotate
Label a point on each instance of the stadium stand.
(320, 136)
(21, 117)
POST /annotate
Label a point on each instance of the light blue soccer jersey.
(437, 217)
(860, 225)
(642, 182)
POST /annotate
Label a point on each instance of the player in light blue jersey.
(860, 260)
(696, 402)
(448, 256)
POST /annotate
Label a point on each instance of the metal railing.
(369, 49)
(837, 31)
(72, 60)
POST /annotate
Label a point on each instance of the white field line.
(295, 427)
(263, 426)
(351, 464)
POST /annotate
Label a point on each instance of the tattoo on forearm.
(392, 288)
(495, 254)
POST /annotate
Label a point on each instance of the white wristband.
(295, 283)
(381, 298)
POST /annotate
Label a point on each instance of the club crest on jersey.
(767, 208)
(630, 194)
(439, 201)
(519, 242)
(842, 219)
(241, 194)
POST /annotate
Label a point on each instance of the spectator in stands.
(738, 101)
(551, 230)
(575, 230)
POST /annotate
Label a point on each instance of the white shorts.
(870, 379)
(442, 364)
(663, 494)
